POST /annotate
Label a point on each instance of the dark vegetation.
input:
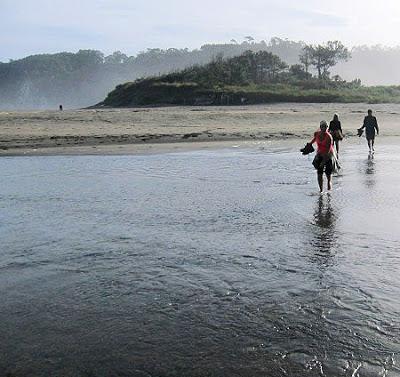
(83, 78)
(251, 78)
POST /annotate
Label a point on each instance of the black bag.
(307, 149)
(360, 132)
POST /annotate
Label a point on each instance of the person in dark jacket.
(335, 129)
(370, 124)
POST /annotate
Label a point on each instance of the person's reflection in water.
(370, 171)
(324, 230)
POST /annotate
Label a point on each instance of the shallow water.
(212, 263)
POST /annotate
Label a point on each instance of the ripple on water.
(222, 263)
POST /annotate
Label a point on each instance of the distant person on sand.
(335, 128)
(325, 160)
(370, 124)
(61, 107)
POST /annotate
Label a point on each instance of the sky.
(47, 26)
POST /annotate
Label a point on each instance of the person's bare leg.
(373, 142)
(337, 148)
(329, 179)
(320, 182)
(369, 145)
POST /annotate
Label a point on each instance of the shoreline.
(160, 129)
(149, 148)
(175, 147)
(137, 141)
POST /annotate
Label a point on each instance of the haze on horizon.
(49, 26)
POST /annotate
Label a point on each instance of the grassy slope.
(154, 91)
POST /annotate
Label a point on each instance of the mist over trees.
(323, 57)
(374, 65)
(251, 78)
(84, 78)
(249, 68)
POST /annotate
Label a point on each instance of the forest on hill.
(253, 78)
(83, 78)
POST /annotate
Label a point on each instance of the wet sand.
(146, 130)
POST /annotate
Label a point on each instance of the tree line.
(83, 78)
(263, 67)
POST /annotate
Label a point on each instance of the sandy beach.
(146, 130)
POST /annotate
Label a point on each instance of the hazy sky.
(45, 26)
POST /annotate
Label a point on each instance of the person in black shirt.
(335, 129)
(370, 124)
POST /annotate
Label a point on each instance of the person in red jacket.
(324, 160)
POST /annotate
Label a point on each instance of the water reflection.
(370, 180)
(323, 230)
(158, 268)
(324, 215)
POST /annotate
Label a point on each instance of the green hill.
(251, 78)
